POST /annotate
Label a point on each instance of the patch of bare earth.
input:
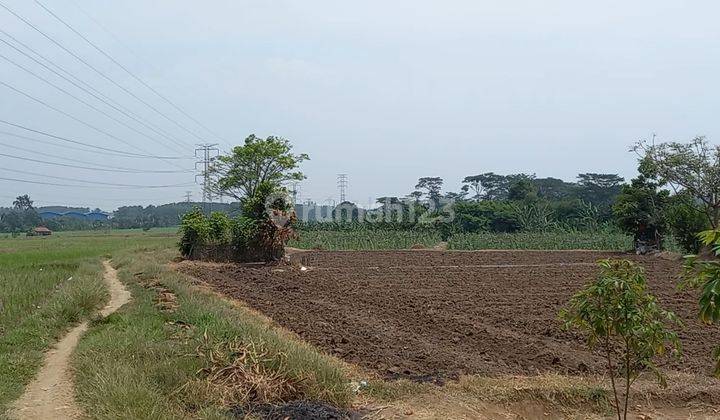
(437, 316)
(51, 394)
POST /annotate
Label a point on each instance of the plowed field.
(432, 315)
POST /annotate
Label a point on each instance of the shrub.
(623, 320)
(195, 231)
(686, 220)
(219, 227)
(243, 230)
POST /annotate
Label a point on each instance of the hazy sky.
(383, 91)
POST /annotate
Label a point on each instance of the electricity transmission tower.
(188, 196)
(295, 192)
(342, 183)
(207, 153)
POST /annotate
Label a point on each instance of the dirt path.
(51, 394)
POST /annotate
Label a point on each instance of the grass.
(542, 241)
(146, 361)
(47, 284)
(365, 240)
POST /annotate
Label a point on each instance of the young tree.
(693, 167)
(621, 318)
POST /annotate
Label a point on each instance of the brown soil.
(432, 315)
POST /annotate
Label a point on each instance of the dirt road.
(51, 394)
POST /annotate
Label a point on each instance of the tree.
(705, 275)
(23, 203)
(433, 186)
(416, 195)
(685, 218)
(258, 162)
(474, 183)
(554, 188)
(693, 167)
(522, 190)
(489, 186)
(623, 320)
(599, 189)
(11, 222)
(254, 173)
(640, 210)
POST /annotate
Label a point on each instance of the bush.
(243, 230)
(685, 221)
(219, 225)
(195, 230)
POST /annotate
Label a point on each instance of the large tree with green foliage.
(255, 174)
(432, 186)
(640, 210)
(599, 189)
(692, 167)
(259, 165)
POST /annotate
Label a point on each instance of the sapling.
(623, 321)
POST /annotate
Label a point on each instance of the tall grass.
(47, 284)
(142, 362)
(365, 240)
(603, 241)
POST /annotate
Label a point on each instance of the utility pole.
(207, 153)
(188, 196)
(342, 183)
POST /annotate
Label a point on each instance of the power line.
(98, 184)
(90, 168)
(133, 75)
(99, 130)
(55, 184)
(123, 123)
(112, 152)
(93, 68)
(90, 90)
(7, 133)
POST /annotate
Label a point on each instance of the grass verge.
(175, 351)
(42, 300)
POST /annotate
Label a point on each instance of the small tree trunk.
(627, 379)
(611, 372)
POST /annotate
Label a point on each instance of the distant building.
(41, 231)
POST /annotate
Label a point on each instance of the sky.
(385, 92)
